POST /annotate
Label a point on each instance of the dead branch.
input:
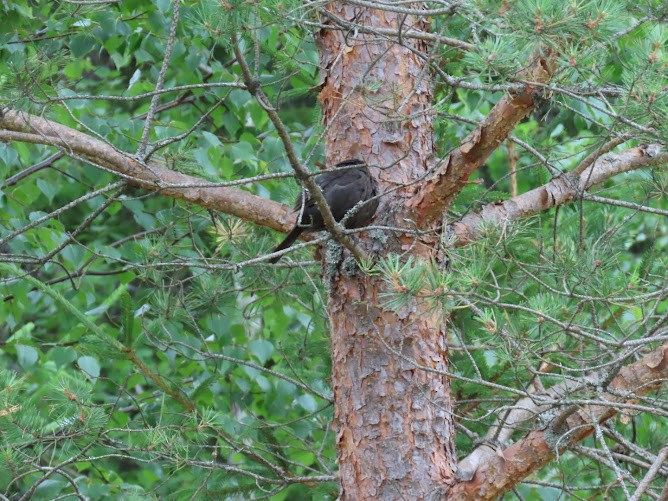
(11, 181)
(558, 191)
(20, 126)
(498, 473)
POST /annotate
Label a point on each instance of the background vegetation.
(142, 357)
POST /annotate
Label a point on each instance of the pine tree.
(500, 327)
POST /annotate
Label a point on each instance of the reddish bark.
(451, 176)
(394, 421)
(498, 475)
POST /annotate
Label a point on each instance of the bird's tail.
(289, 240)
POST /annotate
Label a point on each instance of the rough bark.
(394, 422)
(452, 174)
(499, 474)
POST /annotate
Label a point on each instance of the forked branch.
(493, 474)
(440, 189)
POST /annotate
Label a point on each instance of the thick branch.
(496, 475)
(558, 191)
(20, 126)
(442, 186)
(523, 413)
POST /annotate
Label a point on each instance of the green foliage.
(143, 355)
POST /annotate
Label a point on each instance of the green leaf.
(243, 151)
(212, 139)
(261, 349)
(25, 332)
(27, 355)
(308, 403)
(81, 45)
(62, 355)
(164, 6)
(90, 367)
(134, 78)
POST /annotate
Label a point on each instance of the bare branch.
(393, 7)
(392, 33)
(20, 126)
(621, 203)
(11, 181)
(161, 80)
(660, 461)
(498, 474)
(560, 190)
(595, 155)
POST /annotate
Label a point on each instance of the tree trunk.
(395, 434)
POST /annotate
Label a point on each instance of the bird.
(343, 189)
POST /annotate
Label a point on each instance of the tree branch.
(20, 126)
(559, 190)
(143, 144)
(11, 181)
(336, 229)
(398, 34)
(495, 475)
(654, 469)
(449, 179)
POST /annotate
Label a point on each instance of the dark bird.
(343, 189)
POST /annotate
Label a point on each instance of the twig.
(161, 80)
(62, 209)
(651, 473)
(512, 163)
(11, 181)
(621, 203)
